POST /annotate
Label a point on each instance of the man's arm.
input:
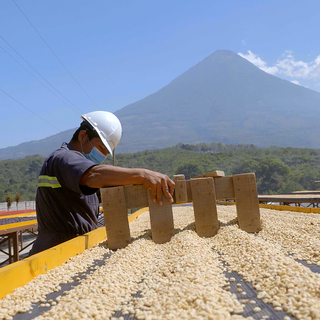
(102, 176)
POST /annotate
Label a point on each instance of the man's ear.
(82, 136)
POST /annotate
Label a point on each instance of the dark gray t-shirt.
(64, 208)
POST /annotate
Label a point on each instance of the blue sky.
(62, 58)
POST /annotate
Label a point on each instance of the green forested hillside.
(278, 170)
(20, 176)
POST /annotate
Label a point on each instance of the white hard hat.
(107, 125)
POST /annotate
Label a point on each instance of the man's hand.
(102, 176)
(158, 183)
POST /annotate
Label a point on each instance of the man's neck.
(75, 145)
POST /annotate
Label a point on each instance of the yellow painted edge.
(17, 224)
(279, 207)
(21, 272)
(32, 213)
(136, 214)
(289, 208)
(94, 237)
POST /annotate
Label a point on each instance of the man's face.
(96, 142)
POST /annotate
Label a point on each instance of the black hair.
(89, 130)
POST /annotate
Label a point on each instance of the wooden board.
(161, 220)
(214, 174)
(17, 215)
(12, 227)
(180, 190)
(247, 202)
(224, 188)
(136, 196)
(204, 205)
(115, 217)
(292, 198)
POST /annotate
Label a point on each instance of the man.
(66, 201)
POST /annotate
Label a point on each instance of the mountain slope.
(42, 147)
(223, 98)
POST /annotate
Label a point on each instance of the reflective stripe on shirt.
(47, 181)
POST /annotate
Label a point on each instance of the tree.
(9, 202)
(17, 199)
(190, 169)
(246, 166)
(271, 175)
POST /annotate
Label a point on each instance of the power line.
(55, 54)
(77, 110)
(29, 110)
(37, 71)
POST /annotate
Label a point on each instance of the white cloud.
(287, 66)
(253, 58)
(295, 82)
(298, 69)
